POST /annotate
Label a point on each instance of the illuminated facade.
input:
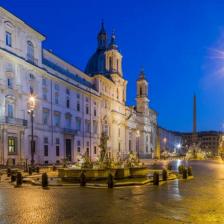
(72, 107)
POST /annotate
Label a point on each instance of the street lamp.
(137, 138)
(31, 105)
(178, 147)
(165, 141)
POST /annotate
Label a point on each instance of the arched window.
(30, 51)
(140, 90)
(117, 65)
(111, 63)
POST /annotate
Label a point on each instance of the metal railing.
(13, 121)
(70, 131)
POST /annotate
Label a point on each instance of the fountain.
(195, 153)
(104, 165)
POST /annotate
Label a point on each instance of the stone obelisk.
(194, 131)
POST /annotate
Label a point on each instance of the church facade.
(72, 107)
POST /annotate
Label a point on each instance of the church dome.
(107, 58)
(96, 64)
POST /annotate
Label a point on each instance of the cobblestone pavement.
(197, 201)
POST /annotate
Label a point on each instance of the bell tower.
(142, 99)
(113, 58)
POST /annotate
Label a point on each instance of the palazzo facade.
(72, 107)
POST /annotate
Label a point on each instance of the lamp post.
(32, 104)
(165, 141)
(137, 139)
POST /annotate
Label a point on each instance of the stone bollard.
(82, 179)
(13, 177)
(189, 171)
(156, 178)
(44, 180)
(164, 175)
(38, 169)
(9, 172)
(110, 181)
(184, 173)
(19, 179)
(30, 170)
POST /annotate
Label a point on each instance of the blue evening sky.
(178, 42)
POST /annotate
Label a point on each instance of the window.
(30, 51)
(111, 63)
(45, 116)
(10, 83)
(87, 126)
(56, 87)
(119, 132)
(119, 147)
(147, 148)
(11, 145)
(67, 102)
(45, 150)
(68, 121)
(106, 129)
(44, 94)
(140, 90)
(87, 151)
(57, 118)
(8, 39)
(32, 77)
(31, 90)
(95, 150)
(57, 150)
(67, 91)
(57, 141)
(78, 146)
(129, 145)
(45, 140)
(56, 100)
(78, 95)
(10, 110)
(95, 127)
(44, 82)
(78, 106)
(87, 109)
(78, 123)
(94, 112)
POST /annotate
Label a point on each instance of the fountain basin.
(73, 174)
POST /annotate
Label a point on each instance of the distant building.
(170, 141)
(208, 140)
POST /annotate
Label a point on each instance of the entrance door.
(68, 149)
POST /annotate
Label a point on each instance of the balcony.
(69, 131)
(13, 121)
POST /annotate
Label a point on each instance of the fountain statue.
(195, 152)
(133, 160)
